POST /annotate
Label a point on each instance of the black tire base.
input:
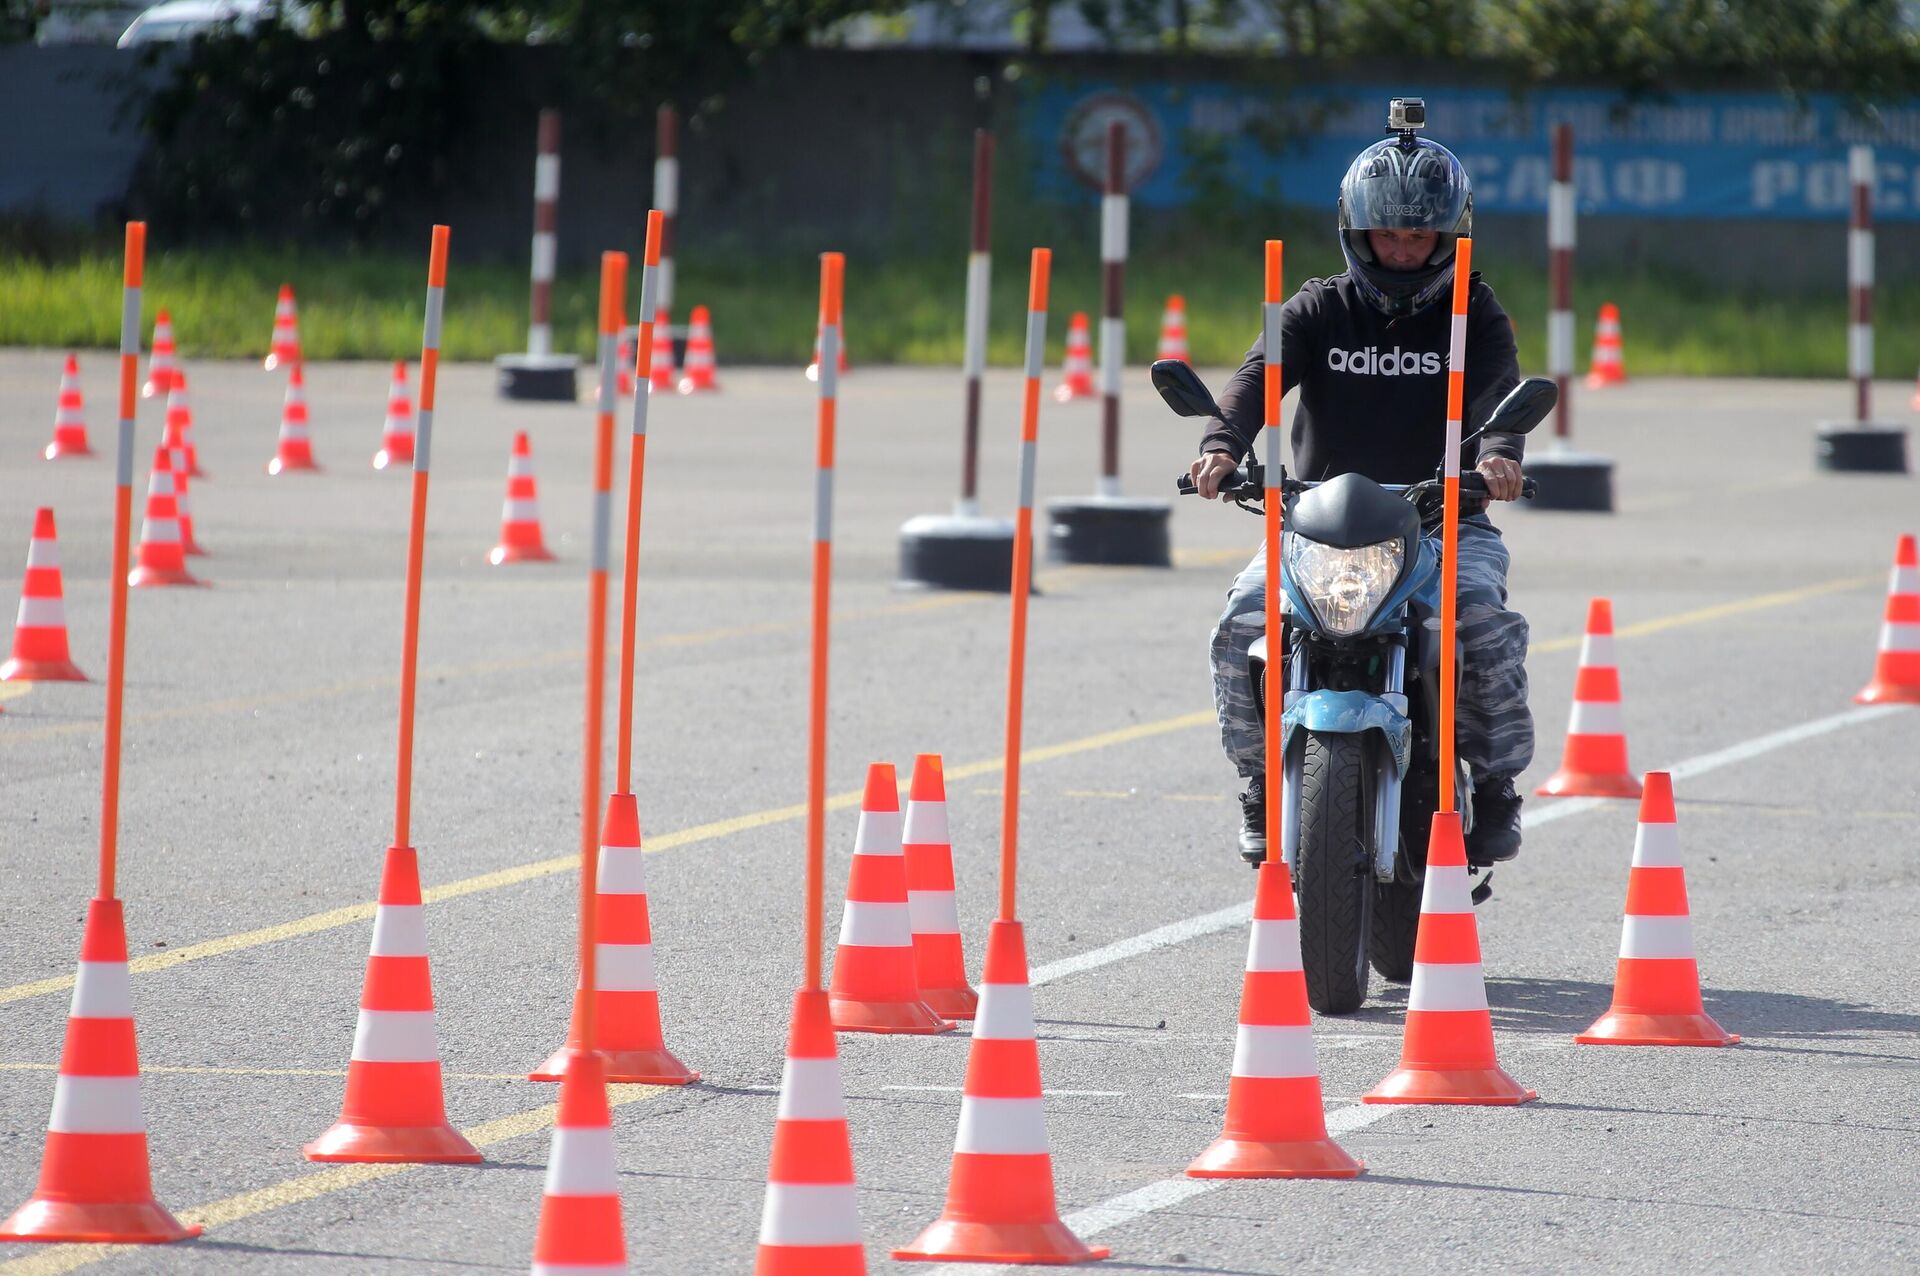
(548, 378)
(1571, 481)
(1109, 530)
(950, 551)
(1850, 447)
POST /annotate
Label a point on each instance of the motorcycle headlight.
(1344, 586)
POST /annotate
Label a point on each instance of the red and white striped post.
(1567, 480)
(546, 222)
(1113, 326)
(979, 286)
(1860, 282)
(1560, 242)
(666, 198)
(1860, 443)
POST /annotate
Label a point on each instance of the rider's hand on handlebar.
(1209, 471)
(1503, 477)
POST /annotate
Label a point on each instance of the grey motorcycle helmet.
(1404, 183)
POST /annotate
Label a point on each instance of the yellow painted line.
(335, 918)
(352, 913)
(306, 1187)
(14, 690)
(1719, 611)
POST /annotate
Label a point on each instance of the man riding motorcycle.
(1368, 349)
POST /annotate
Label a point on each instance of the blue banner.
(1707, 155)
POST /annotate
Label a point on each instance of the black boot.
(1495, 837)
(1253, 821)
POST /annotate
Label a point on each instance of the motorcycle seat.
(1353, 510)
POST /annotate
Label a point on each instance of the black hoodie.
(1373, 390)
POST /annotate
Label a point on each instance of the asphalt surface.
(259, 788)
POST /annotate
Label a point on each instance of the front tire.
(1335, 880)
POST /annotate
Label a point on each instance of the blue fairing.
(1348, 713)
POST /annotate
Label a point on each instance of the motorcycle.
(1361, 602)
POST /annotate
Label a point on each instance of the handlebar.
(1246, 486)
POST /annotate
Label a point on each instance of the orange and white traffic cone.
(1656, 984)
(1447, 1054)
(173, 439)
(40, 651)
(70, 417)
(1896, 669)
(701, 368)
(1078, 369)
(1276, 1122)
(813, 367)
(1595, 763)
(161, 558)
(286, 331)
(938, 955)
(1173, 330)
(295, 450)
(96, 1185)
(623, 358)
(810, 1223)
(627, 1034)
(1609, 365)
(180, 426)
(660, 370)
(161, 366)
(520, 540)
(396, 436)
(581, 1233)
(395, 1107)
(876, 987)
(1000, 1202)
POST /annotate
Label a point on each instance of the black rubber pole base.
(949, 551)
(1861, 449)
(1571, 481)
(548, 378)
(1113, 530)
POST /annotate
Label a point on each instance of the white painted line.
(1160, 937)
(1174, 1191)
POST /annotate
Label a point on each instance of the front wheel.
(1335, 879)
(1396, 925)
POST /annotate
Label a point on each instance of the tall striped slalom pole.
(613, 304)
(546, 224)
(1113, 324)
(1276, 1125)
(1450, 519)
(1860, 282)
(1000, 1198)
(134, 273)
(810, 1218)
(832, 288)
(95, 1180)
(395, 1105)
(979, 288)
(618, 1000)
(580, 1229)
(1560, 243)
(666, 198)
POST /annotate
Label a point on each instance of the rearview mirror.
(1526, 406)
(1185, 392)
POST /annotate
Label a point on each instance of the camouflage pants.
(1494, 727)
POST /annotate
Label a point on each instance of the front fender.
(1347, 713)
